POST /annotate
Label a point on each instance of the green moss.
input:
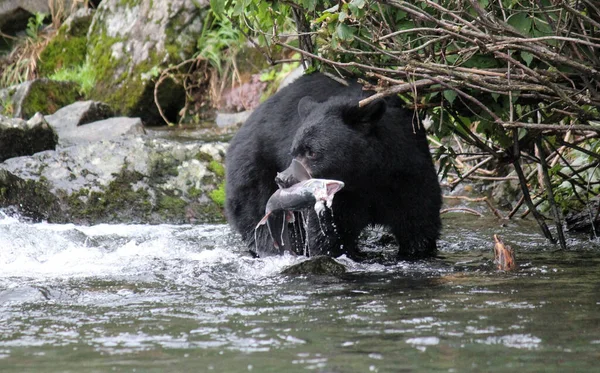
(203, 157)
(218, 195)
(63, 52)
(67, 49)
(217, 168)
(194, 192)
(47, 96)
(117, 203)
(171, 203)
(32, 197)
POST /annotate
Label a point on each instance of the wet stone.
(318, 265)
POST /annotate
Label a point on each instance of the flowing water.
(139, 298)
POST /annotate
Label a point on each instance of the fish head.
(294, 174)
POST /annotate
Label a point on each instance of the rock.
(14, 14)
(101, 130)
(19, 137)
(232, 119)
(131, 179)
(317, 265)
(293, 75)
(581, 221)
(39, 95)
(67, 49)
(79, 113)
(128, 40)
(86, 121)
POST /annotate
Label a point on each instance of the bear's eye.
(310, 154)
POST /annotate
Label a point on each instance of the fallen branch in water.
(460, 209)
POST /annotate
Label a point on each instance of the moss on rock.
(47, 96)
(33, 197)
(218, 195)
(118, 202)
(127, 58)
(63, 52)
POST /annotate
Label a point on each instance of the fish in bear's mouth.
(298, 191)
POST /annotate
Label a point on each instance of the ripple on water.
(138, 291)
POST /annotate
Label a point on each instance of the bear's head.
(336, 137)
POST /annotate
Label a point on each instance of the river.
(141, 298)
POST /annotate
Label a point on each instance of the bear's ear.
(367, 115)
(305, 106)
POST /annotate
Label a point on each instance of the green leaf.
(344, 32)
(326, 16)
(495, 96)
(309, 4)
(521, 22)
(527, 57)
(342, 16)
(450, 96)
(218, 7)
(358, 3)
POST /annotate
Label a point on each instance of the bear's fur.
(379, 151)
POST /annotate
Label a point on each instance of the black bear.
(379, 151)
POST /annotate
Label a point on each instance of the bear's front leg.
(414, 244)
(326, 234)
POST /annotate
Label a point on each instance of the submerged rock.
(19, 137)
(317, 265)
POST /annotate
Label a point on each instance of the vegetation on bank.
(509, 89)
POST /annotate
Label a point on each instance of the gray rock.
(86, 121)
(82, 16)
(131, 179)
(14, 14)
(291, 77)
(19, 137)
(79, 113)
(317, 265)
(232, 119)
(101, 130)
(128, 39)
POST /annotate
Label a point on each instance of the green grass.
(84, 75)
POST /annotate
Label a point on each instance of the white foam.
(65, 250)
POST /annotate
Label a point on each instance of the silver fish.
(315, 193)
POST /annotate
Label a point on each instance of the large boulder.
(131, 179)
(129, 40)
(19, 137)
(40, 95)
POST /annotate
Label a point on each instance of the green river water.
(122, 298)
